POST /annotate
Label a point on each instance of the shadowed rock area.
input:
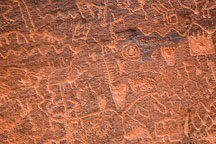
(107, 72)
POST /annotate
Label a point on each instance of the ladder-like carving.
(118, 90)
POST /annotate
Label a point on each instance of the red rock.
(107, 71)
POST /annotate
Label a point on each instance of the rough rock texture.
(107, 72)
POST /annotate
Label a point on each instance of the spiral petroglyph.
(131, 52)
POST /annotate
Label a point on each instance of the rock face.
(107, 71)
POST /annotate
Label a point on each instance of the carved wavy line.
(167, 32)
(34, 50)
(59, 14)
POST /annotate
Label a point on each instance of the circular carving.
(131, 52)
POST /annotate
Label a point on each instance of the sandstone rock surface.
(107, 72)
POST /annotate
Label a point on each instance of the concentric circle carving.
(131, 52)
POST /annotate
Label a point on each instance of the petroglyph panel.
(107, 71)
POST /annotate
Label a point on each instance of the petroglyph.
(168, 54)
(45, 35)
(211, 64)
(119, 95)
(200, 44)
(141, 84)
(117, 89)
(168, 16)
(200, 8)
(169, 127)
(137, 133)
(81, 31)
(25, 13)
(131, 52)
(20, 37)
(4, 14)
